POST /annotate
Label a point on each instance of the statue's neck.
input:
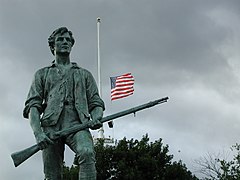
(63, 60)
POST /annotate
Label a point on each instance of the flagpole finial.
(98, 19)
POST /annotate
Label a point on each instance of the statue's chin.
(64, 53)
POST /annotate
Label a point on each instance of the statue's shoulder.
(81, 69)
(42, 71)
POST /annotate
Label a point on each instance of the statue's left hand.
(96, 115)
(95, 124)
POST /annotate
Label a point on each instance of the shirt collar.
(73, 64)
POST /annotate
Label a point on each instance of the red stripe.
(124, 80)
(121, 89)
(114, 98)
(122, 92)
(125, 77)
(127, 74)
(119, 93)
(122, 85)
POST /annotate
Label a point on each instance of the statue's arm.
(96, 115)
(35, 94)
(42, 139)
(93, 98)
(95, 103)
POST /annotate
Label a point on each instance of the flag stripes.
(122, 86)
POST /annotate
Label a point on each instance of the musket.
(21, 156)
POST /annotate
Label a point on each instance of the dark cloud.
(187, 50)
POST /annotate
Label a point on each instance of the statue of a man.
(63, 95)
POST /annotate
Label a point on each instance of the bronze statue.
(61, 96)
(62, 104)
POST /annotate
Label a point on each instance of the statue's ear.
(53, 50)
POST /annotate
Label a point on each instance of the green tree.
(70, 173)
(134, 159)
(218, 166)
(231, 169)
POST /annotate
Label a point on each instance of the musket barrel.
(134, 109)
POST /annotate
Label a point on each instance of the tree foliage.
(70, 173)
(231, 169)
(134, 159)
(218, 167)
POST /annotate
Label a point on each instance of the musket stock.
(21, 156)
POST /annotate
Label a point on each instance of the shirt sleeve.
(93, 97)
(35, 95)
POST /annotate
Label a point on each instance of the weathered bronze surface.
(61, 96)
(62, 104)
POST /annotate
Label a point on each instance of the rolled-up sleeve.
(35, 94)
(93, 97)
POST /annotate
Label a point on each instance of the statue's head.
(59, 31)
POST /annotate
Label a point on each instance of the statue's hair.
(61, 30)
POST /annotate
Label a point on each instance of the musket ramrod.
(20, 156)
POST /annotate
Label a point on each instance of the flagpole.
(98, 56)
(100, 131)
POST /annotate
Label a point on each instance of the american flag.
(121, 86)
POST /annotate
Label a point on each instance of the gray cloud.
(187, 50)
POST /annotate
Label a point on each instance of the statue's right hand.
(43, 140)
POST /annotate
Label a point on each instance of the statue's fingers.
(45, 144)
(50, 141)
(41, 145)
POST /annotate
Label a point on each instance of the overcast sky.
(187, 50)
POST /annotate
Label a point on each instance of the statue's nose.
(65, 41)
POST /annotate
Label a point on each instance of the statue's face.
(63, 44)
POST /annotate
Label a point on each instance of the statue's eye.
(68, 39)
(60, 39)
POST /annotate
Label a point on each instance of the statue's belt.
(66, 103)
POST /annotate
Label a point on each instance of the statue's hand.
(43, 140)
(96, 115)
(95, 124)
